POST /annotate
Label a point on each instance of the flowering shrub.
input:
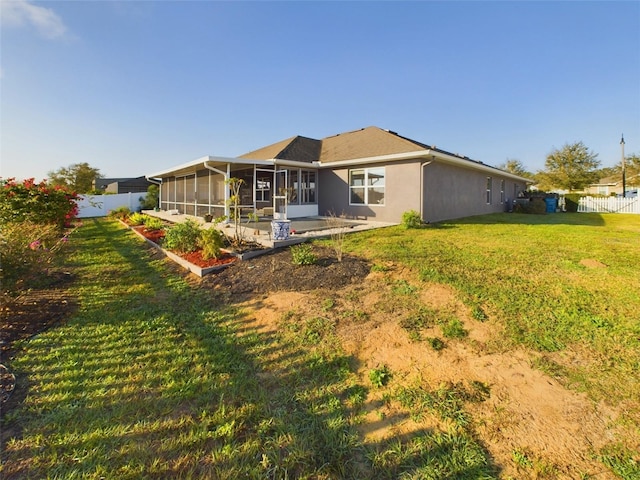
(38, 203)
(27, 249)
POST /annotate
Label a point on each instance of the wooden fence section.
(609, 205)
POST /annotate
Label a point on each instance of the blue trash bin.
(552, 204)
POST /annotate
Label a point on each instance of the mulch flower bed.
(195, 258)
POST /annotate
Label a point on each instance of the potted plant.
(208, 217)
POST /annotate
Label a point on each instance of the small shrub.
(183, 237)
(211, 241)
(153, 223)
(411, 219)
(302, 254)
(380, 376)
(120, 213)
(136, 219)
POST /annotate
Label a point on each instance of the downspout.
(226, 176)
(422, 165)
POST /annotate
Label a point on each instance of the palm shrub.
(210, 240)
(183, 237)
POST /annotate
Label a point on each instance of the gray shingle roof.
(366, 142)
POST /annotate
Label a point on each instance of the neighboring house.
(121, 185)
(369, 173)
(613, 185)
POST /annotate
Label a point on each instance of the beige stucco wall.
(449, 192)
(453, 192)
(402, 193)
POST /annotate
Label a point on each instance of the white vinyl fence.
(609, 205)
(101, 205)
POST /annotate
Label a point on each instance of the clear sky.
(135, 87)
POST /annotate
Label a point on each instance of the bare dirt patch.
(527, 412)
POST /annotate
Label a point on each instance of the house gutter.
(426, 154)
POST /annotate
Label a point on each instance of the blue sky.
(136, 87)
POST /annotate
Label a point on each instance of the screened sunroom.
(269, 188)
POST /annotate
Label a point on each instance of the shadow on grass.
(153, 378)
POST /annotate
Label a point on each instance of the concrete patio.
(302, 229)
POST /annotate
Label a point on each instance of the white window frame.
(489, 190)
(367, 187)
(502, 185)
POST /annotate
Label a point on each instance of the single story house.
(613, 185)
(122, 185)
(369, 173)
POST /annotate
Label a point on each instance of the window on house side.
(501, 191)
(308, 186)
(366, 186)
(489, 184)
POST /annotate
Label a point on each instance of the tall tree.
(516, 167)
(573, 167)
(631, 164)
(78, 177)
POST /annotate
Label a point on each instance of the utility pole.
(624, 173)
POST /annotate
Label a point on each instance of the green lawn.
(151, 379)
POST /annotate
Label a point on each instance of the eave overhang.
(427, 155)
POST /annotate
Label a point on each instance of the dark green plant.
(151, 200)
(183, 237)
(571, 202)
(302, 254)
(411, 219)
(211, 241)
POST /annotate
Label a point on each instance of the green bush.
(303, 254)
(183, 237)
(571, 202)
(210, 240)
(152, 223)
(411, 219)
(535, 206)
(151, 200)
(136, 218)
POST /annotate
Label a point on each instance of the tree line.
(572, 167)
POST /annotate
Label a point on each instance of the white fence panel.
(609, 205)
(101, 205)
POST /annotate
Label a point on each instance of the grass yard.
(153, 377)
